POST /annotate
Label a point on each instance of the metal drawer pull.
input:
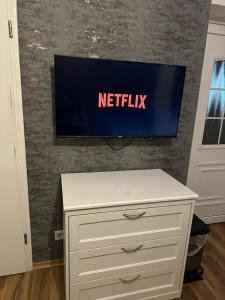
(129, 280)
(134, 217)
(131, 250)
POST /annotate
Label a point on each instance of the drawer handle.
(129, 280)
(131, 250)
(134, 217)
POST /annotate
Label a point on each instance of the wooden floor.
(47, 284)
(42, 284)
(213, 285)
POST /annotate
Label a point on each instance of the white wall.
(218, 2)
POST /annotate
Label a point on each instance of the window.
(214, 132)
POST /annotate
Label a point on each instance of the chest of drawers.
(126, 235)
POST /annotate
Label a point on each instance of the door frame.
(19, 138)
(214, 28)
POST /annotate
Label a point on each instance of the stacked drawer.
(127, 254)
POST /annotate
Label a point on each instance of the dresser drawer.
(133, 225)
(93, 264)
(133, 286)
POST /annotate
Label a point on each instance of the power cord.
(119, 148)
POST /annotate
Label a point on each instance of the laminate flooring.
(48, 283)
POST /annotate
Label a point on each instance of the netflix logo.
(106, 100)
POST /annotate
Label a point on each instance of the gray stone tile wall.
(160, 31)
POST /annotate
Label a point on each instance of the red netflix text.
(121, 100)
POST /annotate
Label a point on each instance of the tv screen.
(111, 98)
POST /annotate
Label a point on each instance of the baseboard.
(213, 219)
(48, 264)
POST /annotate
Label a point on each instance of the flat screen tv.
(112, 98)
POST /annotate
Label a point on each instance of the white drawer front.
(118, 227)
(93, 264)
(130, 286)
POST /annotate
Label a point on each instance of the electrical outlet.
(59, 235)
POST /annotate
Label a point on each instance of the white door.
(206, 174)
(13, 222)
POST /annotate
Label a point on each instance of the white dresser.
(126, 235)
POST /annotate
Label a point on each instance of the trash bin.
(199, 233)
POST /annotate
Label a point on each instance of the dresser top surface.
(104, 189)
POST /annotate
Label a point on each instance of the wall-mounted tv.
(111, 98)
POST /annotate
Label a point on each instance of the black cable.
(119, 148)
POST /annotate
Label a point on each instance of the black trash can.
(199, 233)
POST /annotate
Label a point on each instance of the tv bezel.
(119, 136)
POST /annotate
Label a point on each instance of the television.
(113, 98)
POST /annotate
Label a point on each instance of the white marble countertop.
(105, 189)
